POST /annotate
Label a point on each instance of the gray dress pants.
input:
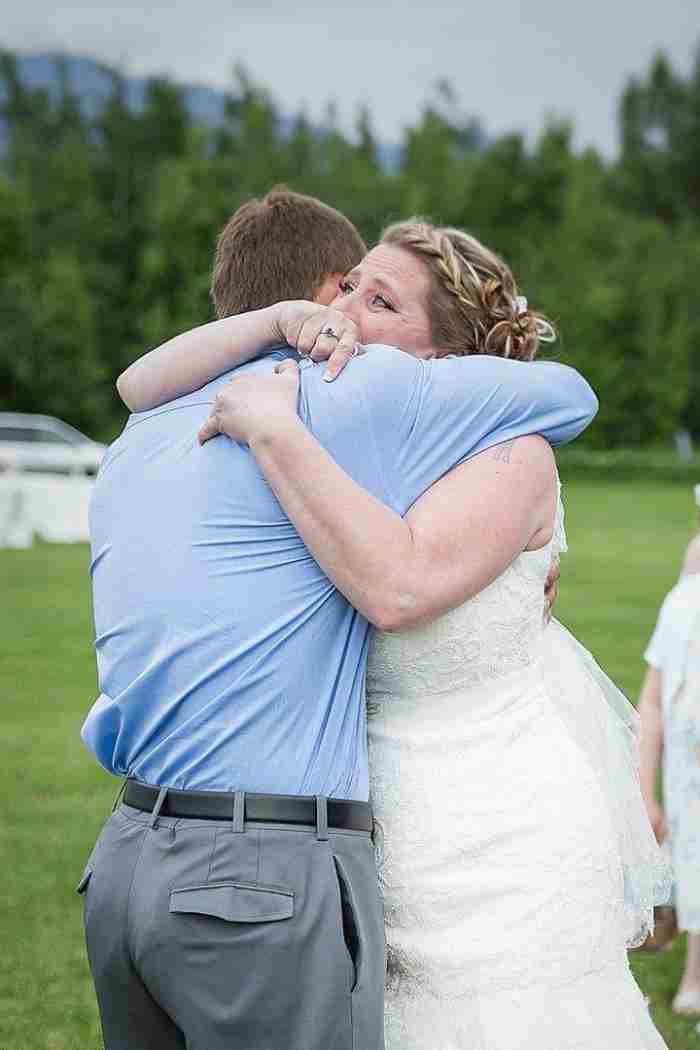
(202, 936)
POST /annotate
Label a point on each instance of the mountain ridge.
(91, 81)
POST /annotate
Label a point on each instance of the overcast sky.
(511, 64)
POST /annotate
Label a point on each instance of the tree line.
(108, 223)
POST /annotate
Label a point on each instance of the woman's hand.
(318, 332)
(255, 406)
(657, 819)
(551, 588)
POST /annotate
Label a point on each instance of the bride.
(514, 853)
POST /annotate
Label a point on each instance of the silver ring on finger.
(330, 332)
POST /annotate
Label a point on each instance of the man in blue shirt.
(233, 900)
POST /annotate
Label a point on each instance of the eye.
(383, 302)
(345, 287)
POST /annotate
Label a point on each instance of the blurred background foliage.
(108, 219)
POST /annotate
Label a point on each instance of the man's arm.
(467, 405)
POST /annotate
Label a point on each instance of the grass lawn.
(627, 541)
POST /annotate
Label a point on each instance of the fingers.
(321, 334)
(212, 427)
(290, 373)
(551, 589)
(553, 574)
(346, 334)
(293, 317)
(325, 345)
(307, 335)
(344, 345)
(340, 358)
(286, 366)
(552, 592)
(209, 429)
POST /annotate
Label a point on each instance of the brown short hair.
(281, 247)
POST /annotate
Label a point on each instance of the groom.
(231, 899)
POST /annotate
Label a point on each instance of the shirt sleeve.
(458, 407)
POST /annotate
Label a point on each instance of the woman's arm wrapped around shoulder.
(192, 359)
(397, 571)
(456, 540)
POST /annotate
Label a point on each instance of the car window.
(16, 434)
(59, 434)
(51, 437)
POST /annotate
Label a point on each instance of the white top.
(678, 623)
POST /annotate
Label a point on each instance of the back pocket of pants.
(234, 901)
(351, 930)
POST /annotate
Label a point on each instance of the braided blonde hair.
(474, 306)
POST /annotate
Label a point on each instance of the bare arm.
(190, 360)
(651, 746)
(458, 537)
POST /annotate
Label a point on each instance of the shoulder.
(519, 474)
(379, 373)
(535, 453)
(476, 371)
(685, 594)
(531, 454)
(523, 381)
(680, 605)
(691, 563)
(503, 368)
(389, 361)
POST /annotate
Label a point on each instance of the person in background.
(691, 562)
(669, 707)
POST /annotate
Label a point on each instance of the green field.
(626, 548)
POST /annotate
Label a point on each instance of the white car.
(43, 444)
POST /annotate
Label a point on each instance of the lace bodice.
(490, 635)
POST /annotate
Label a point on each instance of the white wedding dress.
(499, 855)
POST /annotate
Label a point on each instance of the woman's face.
(387, 296)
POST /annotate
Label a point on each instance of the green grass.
(55, 799)
(627, 542)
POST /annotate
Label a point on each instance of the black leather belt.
(344, 814)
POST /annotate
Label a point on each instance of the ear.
(327, 292)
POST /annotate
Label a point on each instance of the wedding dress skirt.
(510, 886)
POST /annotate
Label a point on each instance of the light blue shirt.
(227, 659)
